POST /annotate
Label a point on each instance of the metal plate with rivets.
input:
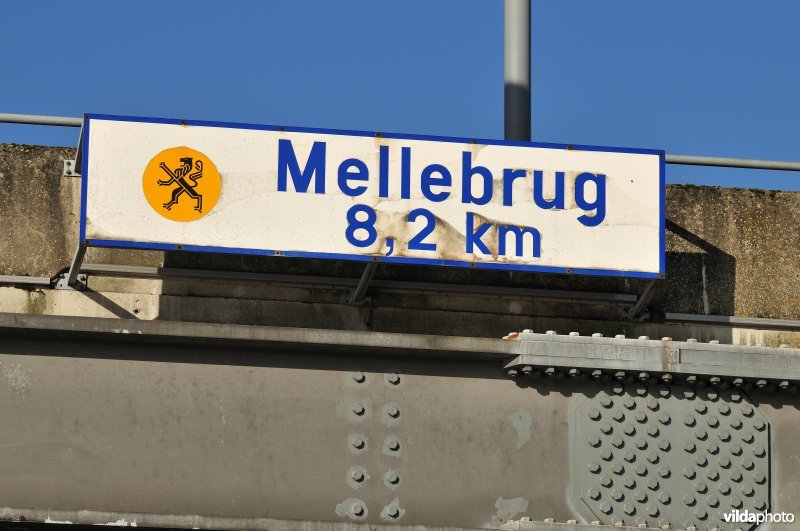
(663, 455)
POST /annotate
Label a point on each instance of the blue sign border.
(362, 258)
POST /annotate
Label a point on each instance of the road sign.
(240, 188)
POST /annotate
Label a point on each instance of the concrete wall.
(730, 252)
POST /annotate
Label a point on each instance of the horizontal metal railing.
(690, 160)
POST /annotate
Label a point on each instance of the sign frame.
(125, 244)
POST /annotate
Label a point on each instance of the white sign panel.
(172, 184)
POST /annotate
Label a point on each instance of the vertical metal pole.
(518, 69)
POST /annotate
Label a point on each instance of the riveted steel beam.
(690, 362)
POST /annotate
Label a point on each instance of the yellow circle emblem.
(181, 184)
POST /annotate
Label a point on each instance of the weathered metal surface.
(645, 359)
(324, 426)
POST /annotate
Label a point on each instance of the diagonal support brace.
(637, 311)
(357, 295)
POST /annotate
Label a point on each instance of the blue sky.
(698, 78)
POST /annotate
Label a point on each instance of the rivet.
(392, 511)
(392, 411)
(551, 333)
(359, 377)
(357, 475)
(392, 477)
(629, 457)
(358, 442)
(394, 379)
(393, 443)
(357, 509)
(358, 409)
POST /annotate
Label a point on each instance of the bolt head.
(393, 379)
(359, 377)
(357, 509)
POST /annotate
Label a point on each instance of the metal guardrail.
(690, 160)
